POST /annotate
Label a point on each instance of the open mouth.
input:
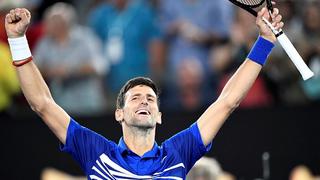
(143, 112)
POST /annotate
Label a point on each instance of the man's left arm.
(239, 84)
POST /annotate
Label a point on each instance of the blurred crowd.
(86, 50)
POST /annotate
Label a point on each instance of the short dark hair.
(133, 83)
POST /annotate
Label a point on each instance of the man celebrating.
(137, 156)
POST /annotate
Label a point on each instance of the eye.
(134, 98)
(151, 99)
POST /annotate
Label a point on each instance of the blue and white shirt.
(103, 159)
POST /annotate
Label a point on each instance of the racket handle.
(295, 57)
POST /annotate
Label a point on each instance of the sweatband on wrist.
(19, 48)
(260, 50)
(22, 62)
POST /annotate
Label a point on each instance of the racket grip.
(295, 57)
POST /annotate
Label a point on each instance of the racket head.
(248, 5)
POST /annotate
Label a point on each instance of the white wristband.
(19, 48)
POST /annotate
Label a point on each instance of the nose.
(144, 101)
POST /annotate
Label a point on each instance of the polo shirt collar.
(154, 152)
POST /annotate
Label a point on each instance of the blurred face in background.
(190, 74)
(287, 10)
(56, 27)
(312, 18)
(200, 173)
(58, 20)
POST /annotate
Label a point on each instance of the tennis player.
(137, 155)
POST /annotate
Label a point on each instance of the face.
(140, 108)
(56, 27)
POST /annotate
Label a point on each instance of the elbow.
(231, 104)
(40, 106)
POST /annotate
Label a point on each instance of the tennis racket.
(293, 54)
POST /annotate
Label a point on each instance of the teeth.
(142, 111)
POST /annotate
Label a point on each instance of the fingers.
(28, 14)
(8, 19)
(274, 14)
(269, 23)
(276, 17)
(279, 25)
(15, 15)
(262, 13)
(25, 15)
(12, 16)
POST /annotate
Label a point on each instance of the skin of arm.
(238, 86)
(32, 84)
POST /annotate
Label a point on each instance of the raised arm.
(239, 84)
(32, 84)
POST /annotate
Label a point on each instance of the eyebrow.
(148, 95)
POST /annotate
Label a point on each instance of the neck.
(139, 140)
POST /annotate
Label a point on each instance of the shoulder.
(89, 136)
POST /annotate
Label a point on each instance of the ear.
(158, 118)
(119, 115)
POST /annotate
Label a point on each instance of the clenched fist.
(16, 22)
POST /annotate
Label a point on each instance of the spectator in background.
(189, 81)
(208, 168)
(70, 57)
(9, 84)
(191, 27)
(132, 40)
(283, 77)
(310, 41)
(302, 172)
(55, 174)
(205, 169)
(226, 176)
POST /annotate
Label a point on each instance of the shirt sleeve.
(189, 145)
(84, 145)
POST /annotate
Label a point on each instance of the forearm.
(234, 91)
(38, 96)
(240, 83)
(33, 86)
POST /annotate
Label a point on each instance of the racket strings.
(251, 2)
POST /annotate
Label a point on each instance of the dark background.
(290, 135)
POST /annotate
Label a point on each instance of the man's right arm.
(38, 96)
(32, 84)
